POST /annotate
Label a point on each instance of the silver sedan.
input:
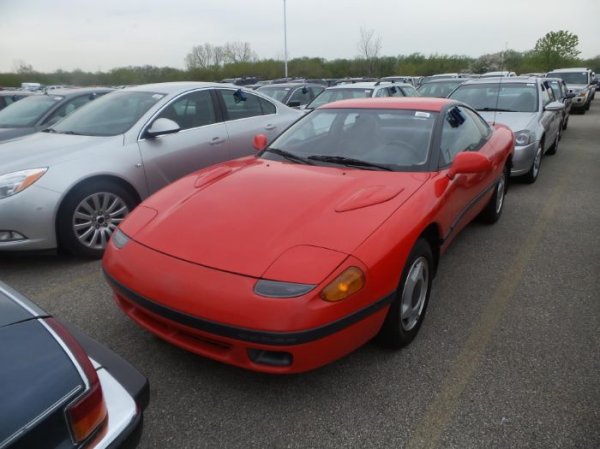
(72, 184)
(528, 107)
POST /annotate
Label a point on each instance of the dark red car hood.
(243, 215)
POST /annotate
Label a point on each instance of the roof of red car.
(423, 104)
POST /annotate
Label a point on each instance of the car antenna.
(497, 101)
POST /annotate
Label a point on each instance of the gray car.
(581, 82)
(40, 111)
(70, 186)
(528, 107)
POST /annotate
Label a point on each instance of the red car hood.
(242, 216)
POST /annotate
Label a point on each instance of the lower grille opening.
(271, 358)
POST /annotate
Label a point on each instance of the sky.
(103, 34)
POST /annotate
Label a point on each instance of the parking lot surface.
(508, 356)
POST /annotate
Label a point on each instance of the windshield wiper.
(496, 109)
(289, 156)
(49, 130)
(348, 161)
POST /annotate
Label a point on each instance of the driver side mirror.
(162, 126)
(260, 142)
(469, 162)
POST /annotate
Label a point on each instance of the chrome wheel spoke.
(414, 294)
(96, 217)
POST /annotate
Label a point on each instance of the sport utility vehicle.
(580, 81)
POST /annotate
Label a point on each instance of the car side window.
(382, 92)
(484, 128)
(410, 91)
(459, 133)
(191, 110)
(546, 96)
(242, 104)
(68, 107)
(302, 95)
(316, 90)
(395, 91)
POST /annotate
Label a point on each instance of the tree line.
(207, 62)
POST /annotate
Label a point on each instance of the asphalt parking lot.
(508, 356)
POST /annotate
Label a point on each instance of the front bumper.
(523, 159)
(579, 102)
(216, 315)
(30, 213)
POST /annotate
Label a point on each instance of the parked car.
(580, 81)
(8, 97)
(528, 107)
(362, 90)
(292, 94)
(37, 112)
(330, 236)
(439, 88)
(561, 93)
(70, 186)
(59, 387)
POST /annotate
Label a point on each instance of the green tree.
(557, 48)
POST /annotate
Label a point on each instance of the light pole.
(285, 56)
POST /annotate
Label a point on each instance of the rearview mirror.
(260, 142)
(469, 162)
(162, 126)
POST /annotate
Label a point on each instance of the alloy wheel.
(414, 293)
(96, 217)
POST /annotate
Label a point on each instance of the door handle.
(217, 140)
(270, 127)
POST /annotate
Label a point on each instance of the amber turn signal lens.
(346, 284)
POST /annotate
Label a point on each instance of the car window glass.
(301, 94)
(109, 115)
(481, 124)
(395, 91)
(191, 111)
(546, 96)
(513, 97)
(68, 108)
(316, 90)
(382, 93)
(243, 104)
(28, 111)
(459, 133)
(409, 91)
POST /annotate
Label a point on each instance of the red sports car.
(330, 236)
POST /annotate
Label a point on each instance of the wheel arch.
(433, 236)
(97, 178)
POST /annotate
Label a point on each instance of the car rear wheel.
(407, 310)
(531, 176)
(89, 215)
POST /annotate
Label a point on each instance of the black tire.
(493, 209)
(99, 226)
(554, 148)
(396, 331)
(531, 176)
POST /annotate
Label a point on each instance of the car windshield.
(438, 89)
(371, 139)
(331, 95)
(110, 115)
(277, 92)
(507, 97)
(570, 77)
(28, 111)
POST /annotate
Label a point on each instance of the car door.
(200, 142)
(246, 115)
(462, 197)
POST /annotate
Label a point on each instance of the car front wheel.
(89, 215)
(532, 175)
(407, 310)
(492, 211)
